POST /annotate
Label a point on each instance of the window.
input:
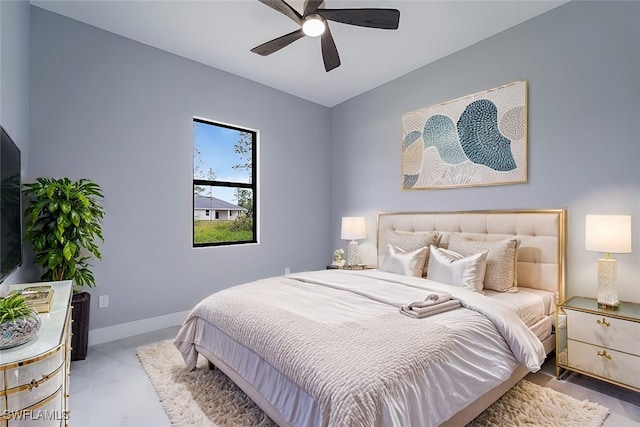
(224, 181)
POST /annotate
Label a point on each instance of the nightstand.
(600, 343)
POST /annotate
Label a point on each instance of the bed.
(332, 347)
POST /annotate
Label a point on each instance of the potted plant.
(63, 223)
(18, 321)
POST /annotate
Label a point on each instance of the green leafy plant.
(63, 223)
(243, 222)
(13, 307)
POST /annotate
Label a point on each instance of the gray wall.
(119, 112)
(14, 85)
(582, 61)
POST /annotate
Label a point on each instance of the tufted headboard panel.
(541, 232)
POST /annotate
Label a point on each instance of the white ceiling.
(220, 33)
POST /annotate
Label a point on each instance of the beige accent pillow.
(502, 260)
(407, 263)
(450, 267)
(411, 240)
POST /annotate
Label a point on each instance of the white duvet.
(484, 345)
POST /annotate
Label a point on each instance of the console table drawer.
(43, 414)
(35, 370)
(35, 391)
(599, 330)
(603, 362)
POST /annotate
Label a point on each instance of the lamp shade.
(353, 228)
(608, 233)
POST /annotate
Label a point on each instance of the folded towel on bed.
(431, 299)
(426, 311)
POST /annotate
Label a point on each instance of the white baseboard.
(125, 330)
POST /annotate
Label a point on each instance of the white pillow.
(409, 241)
(454, 269)
(407, 263)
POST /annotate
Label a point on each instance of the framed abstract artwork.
(479, 139)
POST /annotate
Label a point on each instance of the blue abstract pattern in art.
(410, 181)
(481, 139)
(440, 132)
(411, 138)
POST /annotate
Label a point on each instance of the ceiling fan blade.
(284, 8)
(276, 44)
(310, 6)
(386, 19)
(329, 51)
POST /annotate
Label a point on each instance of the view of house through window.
(224, 184)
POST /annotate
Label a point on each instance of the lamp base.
(607, 280)
(353, 257)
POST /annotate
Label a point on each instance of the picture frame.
(476, 140)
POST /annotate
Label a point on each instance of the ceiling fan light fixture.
(313, 25)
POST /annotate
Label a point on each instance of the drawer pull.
(604, 354)
(603, 322)
(36, 383)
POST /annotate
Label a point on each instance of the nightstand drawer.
(603, 331)
(606, 363)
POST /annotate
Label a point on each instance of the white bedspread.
(532, 305)
(379, 286)
(337, 298)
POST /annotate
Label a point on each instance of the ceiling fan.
(314, 23)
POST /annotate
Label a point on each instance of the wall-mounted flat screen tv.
(10, 207)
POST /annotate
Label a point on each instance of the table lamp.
(353, 228)
(608, 234)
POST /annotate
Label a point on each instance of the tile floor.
(110, 388)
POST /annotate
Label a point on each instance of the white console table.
(34, 377)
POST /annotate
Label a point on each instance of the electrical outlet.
(286, 271)
(103, 301)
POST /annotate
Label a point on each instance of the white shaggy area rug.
(207, 398)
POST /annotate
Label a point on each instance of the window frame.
(253, 185)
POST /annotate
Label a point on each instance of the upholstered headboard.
(541, 232)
